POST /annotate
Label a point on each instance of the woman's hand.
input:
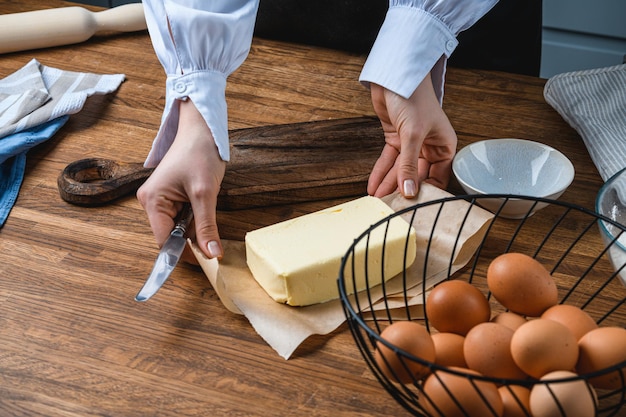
(191, 171)
(420, 142)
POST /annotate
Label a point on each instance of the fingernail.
(409, 188)
(214, 249)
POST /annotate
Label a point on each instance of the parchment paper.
(285, 327)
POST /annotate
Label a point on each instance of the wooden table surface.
(73, 342)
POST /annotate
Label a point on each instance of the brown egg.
(449, 349)
(476, 398)
(487, 349)
(576, 398)
(521, 284)
(509, 319)
(600, 349)
(414, 339)
(572, 317)
(541, 346)
(456, 306)
(516, 400)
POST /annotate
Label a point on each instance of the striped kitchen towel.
(593, 102)
(37, 94)
(35, 102)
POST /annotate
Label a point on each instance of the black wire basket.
(567, 239)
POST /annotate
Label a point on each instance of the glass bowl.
(611, 203)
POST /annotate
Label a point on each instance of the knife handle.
(183, 220)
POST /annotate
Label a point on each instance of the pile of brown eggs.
(536, 338)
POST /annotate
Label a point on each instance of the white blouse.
(201, 42)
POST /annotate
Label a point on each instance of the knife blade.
(169, 255)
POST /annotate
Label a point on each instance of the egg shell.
(487, 350)
(456, 306)
(509, 319)
(441, 387)
(576, 397)
(572, 317)
(449, 349)
(600, 349)
(521, 284)
(515, 400)
(414, 339)
(541, 346)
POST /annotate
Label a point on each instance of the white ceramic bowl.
(513, 167)
(611, 202)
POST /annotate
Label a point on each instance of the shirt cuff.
(410, 42)
(207, 91)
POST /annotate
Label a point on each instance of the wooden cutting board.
(293, 163)
(270, 165)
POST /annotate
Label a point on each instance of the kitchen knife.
(168, 256)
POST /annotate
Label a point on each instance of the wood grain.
(73, 342)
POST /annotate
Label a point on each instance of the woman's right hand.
(191, 171)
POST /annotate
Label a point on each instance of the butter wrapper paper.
(285, 327)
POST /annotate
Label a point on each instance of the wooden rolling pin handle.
(126, 18)
(65, 26)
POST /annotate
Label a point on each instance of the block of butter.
(297, 261)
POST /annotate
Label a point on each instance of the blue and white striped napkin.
(35, 102)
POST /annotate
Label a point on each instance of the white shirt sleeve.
(418, 37)
(199, 43)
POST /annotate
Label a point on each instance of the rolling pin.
(65, 26)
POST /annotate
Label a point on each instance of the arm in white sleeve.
(418, 37)
(199, 43)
